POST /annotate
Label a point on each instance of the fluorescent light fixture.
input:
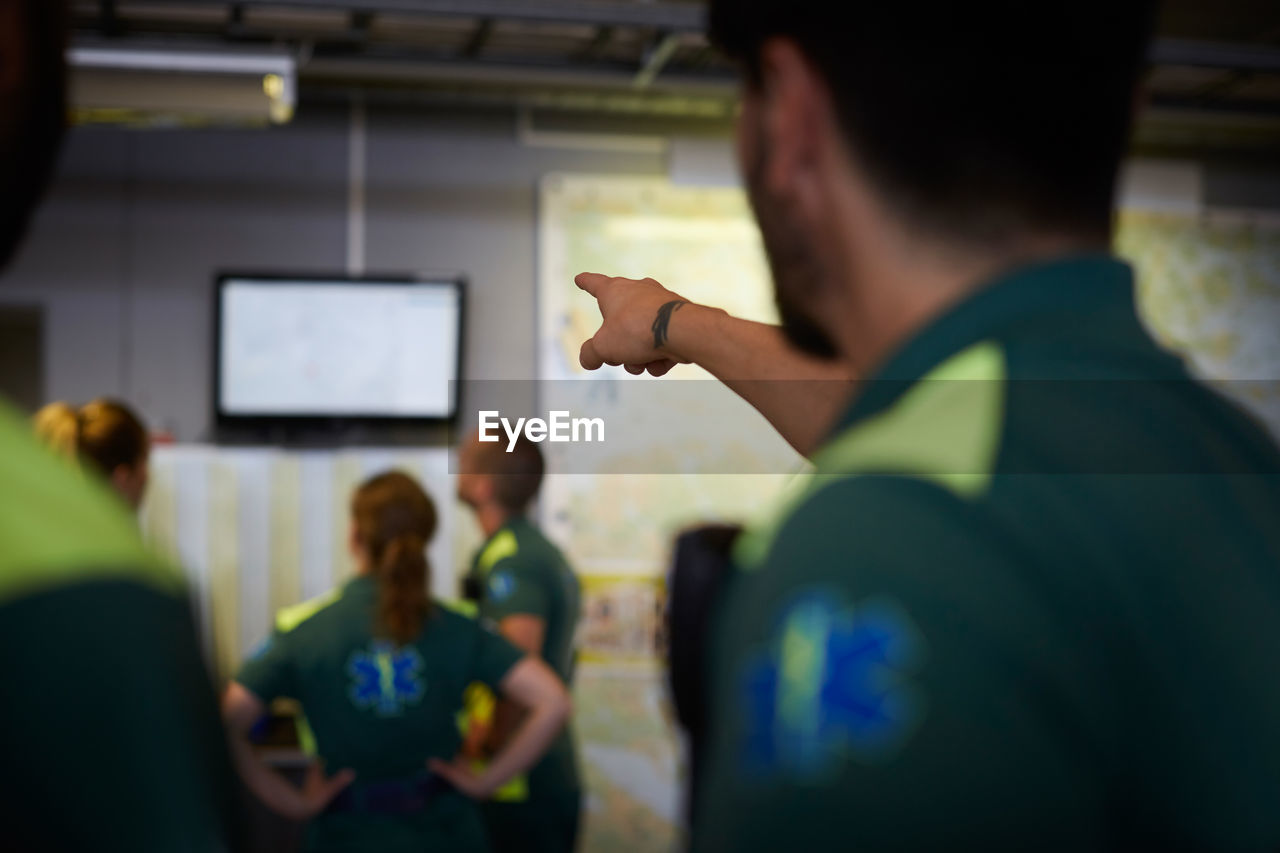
(204, 62)
(168, 86)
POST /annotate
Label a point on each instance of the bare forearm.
(647, 327)
(527, 744)
(525, 631)
(267, 785)
(800, 395)
(507, 716)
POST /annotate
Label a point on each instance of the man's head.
(972, 129)
(490, 477)
(32, 109)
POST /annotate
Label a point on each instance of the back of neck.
(492, 518)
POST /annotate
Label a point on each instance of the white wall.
(122, 255)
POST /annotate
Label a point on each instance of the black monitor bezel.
(325, 420)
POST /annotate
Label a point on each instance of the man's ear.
(353, 540)
(793, 103)
(484, 488)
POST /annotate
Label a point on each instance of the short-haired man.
(524, 586)
(1032, 600)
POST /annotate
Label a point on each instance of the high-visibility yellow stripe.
(516, 789)
(501, 546)
(59, 526)
(306, 737)
(460, 606)
(479, 705)
(291, 617)
(945, 429)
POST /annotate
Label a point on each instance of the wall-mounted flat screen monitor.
(307, 348)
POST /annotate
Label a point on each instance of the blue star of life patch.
(386, 678)
(832, 684)
(501, 585)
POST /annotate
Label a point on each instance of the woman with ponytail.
(106, 437)
(379, 669)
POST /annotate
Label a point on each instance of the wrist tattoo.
(662, 319)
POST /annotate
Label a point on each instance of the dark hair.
(517, 475)
(975, 121)
(394, 521)
(33, 120)
(105, 432)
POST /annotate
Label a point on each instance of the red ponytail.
(394, 521)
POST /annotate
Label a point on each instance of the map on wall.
(1209, 288)
(616, 526)
(703, 243)
(700, 241)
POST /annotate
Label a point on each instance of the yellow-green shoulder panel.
(288, 618)
(460, 606)
(945, 429)
(59, 526)
(501, 546)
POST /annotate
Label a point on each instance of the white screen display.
(297, 348)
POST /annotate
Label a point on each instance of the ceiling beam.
(1207, 54)
(108, 19)
(479, 38)
(661, 15)
(410, 69)
(1266, 112)
(677, 18)
(361, 23)
(655, 60)
(596, 46)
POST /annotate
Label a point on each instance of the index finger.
(588, 357)
(591, 282)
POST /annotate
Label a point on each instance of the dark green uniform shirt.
(110, 737)
(518, 571)
(379, 709)
(1030, 600)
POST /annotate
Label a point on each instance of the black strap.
(700, 566)
(390, 797)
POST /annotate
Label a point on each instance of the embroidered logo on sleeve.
(386, 678)
(501, 585)
(832, 685)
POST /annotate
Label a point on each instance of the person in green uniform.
(1030, 598)
(524, 587)
(109, 729)
(379, 670)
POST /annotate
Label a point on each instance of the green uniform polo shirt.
(1030, 600)
(520, 572)
(379, 709)
(110, 737)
